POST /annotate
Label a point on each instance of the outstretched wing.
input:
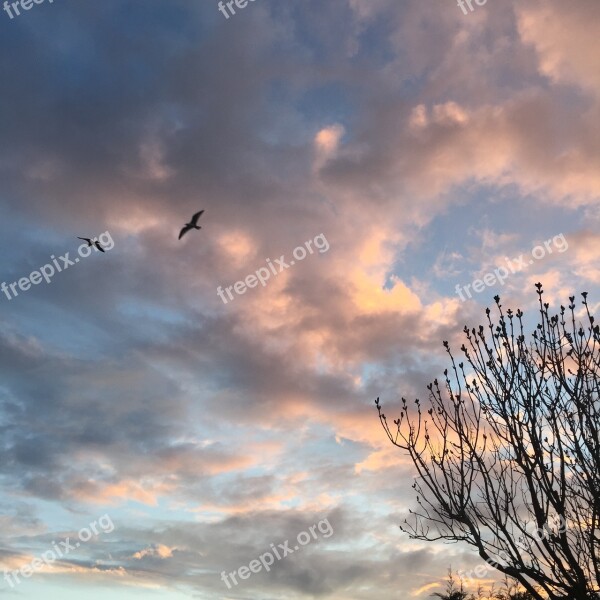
(97, 244)
(196, 217)
(85, 239)
(184, 231)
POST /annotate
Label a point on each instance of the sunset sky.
(424, 145)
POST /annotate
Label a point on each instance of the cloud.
(425, 145)
(158, 551)
(562, 36)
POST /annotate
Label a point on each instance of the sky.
(396, 151)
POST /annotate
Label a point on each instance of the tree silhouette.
(508, 452)
(455, 591)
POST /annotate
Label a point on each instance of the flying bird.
(193, 224)
(92, 243)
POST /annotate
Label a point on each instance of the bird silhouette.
(193, 224)
(92, 243)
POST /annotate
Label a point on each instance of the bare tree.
(508, 452)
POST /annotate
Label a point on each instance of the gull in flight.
(92, 243)
(193, 224)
